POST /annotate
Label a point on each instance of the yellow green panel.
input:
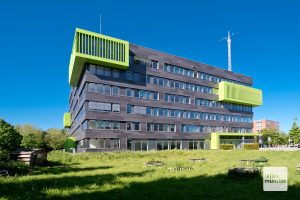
(214, 141)
(67, 120)
(239, 94)
(215, 138)
(94, 48)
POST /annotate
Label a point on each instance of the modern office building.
(128, 97)
(259, 125)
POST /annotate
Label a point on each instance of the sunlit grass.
(122, 175)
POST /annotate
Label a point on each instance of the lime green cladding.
(239, 94)
(70, 143)
(215, 138)
(96, 49)
(67, 120)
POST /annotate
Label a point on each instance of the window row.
(217, 79)
(143, 94)
(100, 143)
(144, 62)
(145, 145)
(115, 90)
(190, 128)
(203, 76)
(114, 73)
(161, 127)
(111, 125)
(105, 107)
(177, 98)
(165, 112)
(178, 84)
(217, 104)
(103, 89)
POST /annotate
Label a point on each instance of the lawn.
(122, 175)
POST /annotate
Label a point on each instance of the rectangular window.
(107, 71)
(100, 88)
(100, 71)
(116, 107)
(154, 64)
(116, 73)
(107, 89)
(116, 90)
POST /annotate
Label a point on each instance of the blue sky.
(36, 41)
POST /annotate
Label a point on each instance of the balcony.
(239, 94)
(67, 120)
(94, 48)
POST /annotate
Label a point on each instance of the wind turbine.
(228, 38)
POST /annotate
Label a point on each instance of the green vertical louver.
(235, 93)
(96, 49)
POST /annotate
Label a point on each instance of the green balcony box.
(67, 120)
(98, 49)
(239, 94)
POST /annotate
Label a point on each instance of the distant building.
(259, 125)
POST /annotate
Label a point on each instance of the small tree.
(55, 138)
(33, 137)
(294, 132)
(277, 138)
(10, 139)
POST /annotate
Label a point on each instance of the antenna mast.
(229, 51)
(100, 22)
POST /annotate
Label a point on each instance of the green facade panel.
(96, 49)
(67, 120)
(239, 94)
(215, 138)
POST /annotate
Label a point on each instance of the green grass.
(122, 175)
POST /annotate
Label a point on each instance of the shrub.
(10, 139)
(226, 146)
(251, 146)
(55, 138)
(243, 172)
(14, 167)
(33, 137)
(4, 155)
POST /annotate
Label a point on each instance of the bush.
(10, 139)
(4, 155)
(243, 172)
(251, 146)
(14, 167)
(33, 137)
(226, 146)
(55, 138)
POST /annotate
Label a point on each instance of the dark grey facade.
(161, 102)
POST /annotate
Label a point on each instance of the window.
(92, 69)
(107, 89)
(115, 90)
(129, 76)
(116, 107)
(107, 72)
(154, 64)
(91, 87)
(100, 71)
(116, 125)
(162, 145)
(116, 73)
(174, 144)
(100, 88)
(133, 126)
(136, 77)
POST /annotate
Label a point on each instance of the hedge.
(251, 146)
(226, 146)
